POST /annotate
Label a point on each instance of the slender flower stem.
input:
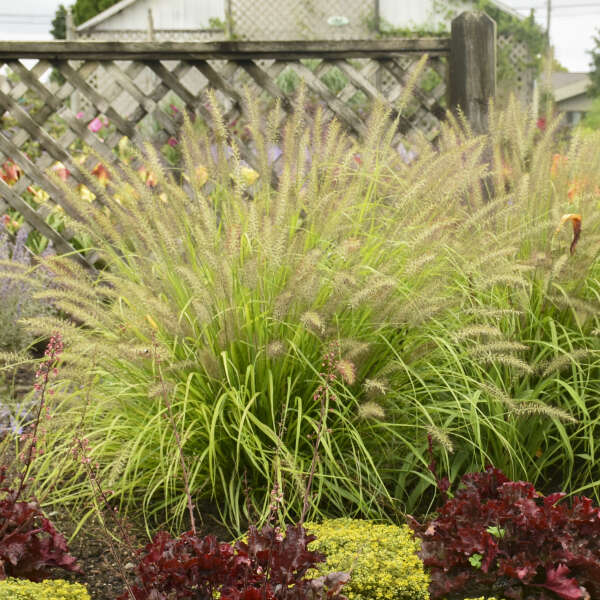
(103, 496)
(46, 368)
(186, 479)
(324, 390)
(313, 463)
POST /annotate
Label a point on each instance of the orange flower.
(576, 187)
(576, 220)
(61, 171)
(148, 177)
(101, 172)
(558, 161)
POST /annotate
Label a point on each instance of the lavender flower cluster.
(18, 283)
(13, 292)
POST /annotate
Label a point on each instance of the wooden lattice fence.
(521, 76)
(146, 82)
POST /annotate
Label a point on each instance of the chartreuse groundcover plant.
(450, 311)
(382, 559)
(52, 589)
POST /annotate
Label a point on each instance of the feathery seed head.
(371, 410)
(347, 371)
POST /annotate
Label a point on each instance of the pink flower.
(62, 171)
(172, 142)
(79, 115)
(173, 108)
(96, 125)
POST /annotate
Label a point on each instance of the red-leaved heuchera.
(503, 537)
(29, 543)
(269, 566)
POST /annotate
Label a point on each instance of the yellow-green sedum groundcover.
(382, 558)
(51, 589)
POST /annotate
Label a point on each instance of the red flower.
(101, 173)
(10, 172)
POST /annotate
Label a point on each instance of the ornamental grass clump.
(225, 284)
(229, 289)
(382, 559)
(514, 380)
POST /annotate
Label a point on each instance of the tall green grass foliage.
(451, 314)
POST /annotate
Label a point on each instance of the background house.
(268, 20)
(137, 20)
(570, 95)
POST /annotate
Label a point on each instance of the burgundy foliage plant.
(502, 537)
(29, 543)
(269, 566)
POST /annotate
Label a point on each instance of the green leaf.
(475, 560)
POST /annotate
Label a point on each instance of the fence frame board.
(293, 50)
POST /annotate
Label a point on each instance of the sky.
(573, 24)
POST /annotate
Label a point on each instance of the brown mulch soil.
(100, 564)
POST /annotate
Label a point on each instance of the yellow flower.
(249, 176)
(152, 322)
(39, 195)
(85, 193)
(201, 175)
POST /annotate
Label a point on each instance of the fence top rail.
(229, 50)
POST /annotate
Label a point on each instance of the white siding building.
(132, 20)
(269, 19)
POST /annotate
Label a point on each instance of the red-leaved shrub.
(269, 566)
(502, 537)
(29, 543)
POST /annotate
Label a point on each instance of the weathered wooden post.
(228, 20)
(150, 30)
(473, 67)
(69, 26)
